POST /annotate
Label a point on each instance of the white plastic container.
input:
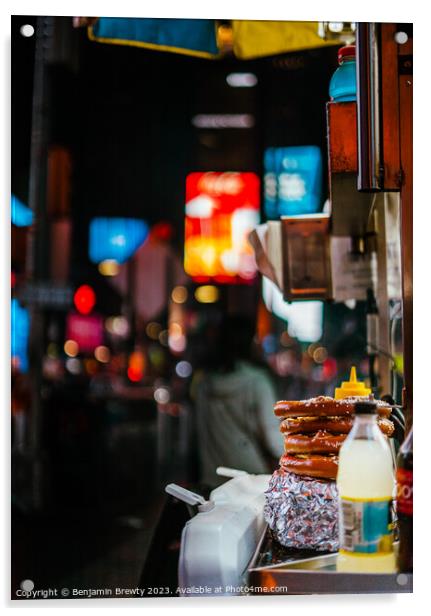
(217, 544)
(365, 484)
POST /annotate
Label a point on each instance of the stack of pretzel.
(301, 502)
(314, 431)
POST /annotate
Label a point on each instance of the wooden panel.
(406, 150)
(390, 108)
(342, 137)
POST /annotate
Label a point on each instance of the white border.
(365, 10)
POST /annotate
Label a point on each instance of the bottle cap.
(351, 388)
(348, 51)
(366, 407)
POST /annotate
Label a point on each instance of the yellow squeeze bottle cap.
(353, 387)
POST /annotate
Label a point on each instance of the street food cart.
(227, 548)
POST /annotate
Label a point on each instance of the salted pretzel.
(311, 465)
(324, 406)
(336, 425)
(320, 442)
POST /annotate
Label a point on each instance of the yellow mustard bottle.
(352, 387)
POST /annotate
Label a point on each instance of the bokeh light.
(71, 348)
(161, 395)
(164, 337)
(179, 295)
(84, 299)
(102, 354)
(153, 330)
(183, 369)
(320, 355)
(108, 267)
(73, 366)
(207, 294)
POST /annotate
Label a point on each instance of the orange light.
(109, 267)
(71, 348)
(84, 299)
(102, 354)
(136, 368)
(179, 295)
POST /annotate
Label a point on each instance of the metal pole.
(37, 261)
(368, 108)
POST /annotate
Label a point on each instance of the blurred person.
(234, 400)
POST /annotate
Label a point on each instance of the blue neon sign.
(20, 326)
(115, 238)
(292, 181)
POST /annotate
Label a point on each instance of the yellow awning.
(208, 38)
(253, 39)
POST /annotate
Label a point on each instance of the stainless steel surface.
(350, 208)
(277, 570)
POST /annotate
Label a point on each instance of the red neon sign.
(84, 299)
(221, 210)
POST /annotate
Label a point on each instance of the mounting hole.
(401, 37)
(27, 585)
(402, 579)
(27, 30)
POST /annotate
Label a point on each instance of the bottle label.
(365, 526)
(404, 491)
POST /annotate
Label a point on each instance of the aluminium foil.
(302, 512)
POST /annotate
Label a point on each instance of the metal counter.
(275, 569)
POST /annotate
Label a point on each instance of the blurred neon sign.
(304, 318)
(115, 239)
(20, 323)
(221, 210)
(21, 215)
(85, 330)
(292, 181)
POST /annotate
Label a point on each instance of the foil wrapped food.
(302, 512)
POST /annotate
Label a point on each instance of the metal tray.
(275, 569)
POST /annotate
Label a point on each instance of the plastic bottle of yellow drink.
(365, 484)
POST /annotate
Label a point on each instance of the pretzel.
(320, 442)
(336, 425)
(306, 425)
(322, 467)
(324, 406)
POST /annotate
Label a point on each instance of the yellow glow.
(207, 294)
(175, 329)
(109, 267)
(102, 354)
(153, 330)
(320, 354)
(312, 348)
(179, 295)
(71, 348)
(52, 350)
